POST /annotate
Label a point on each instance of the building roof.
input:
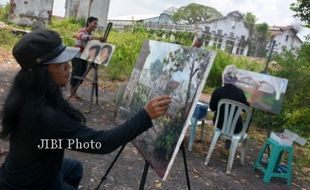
(236, 14)
(277, 30)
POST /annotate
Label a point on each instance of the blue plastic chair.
(200, 113)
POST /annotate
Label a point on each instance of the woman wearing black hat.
(36, 115)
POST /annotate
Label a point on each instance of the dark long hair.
(96, 48)
(109, 48)
(33, 89)
(90, 20)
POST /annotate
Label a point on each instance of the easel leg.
(185, 166)
(268, 131)
(96, 85)
(80, 82)
(143, 179)
(94, 89)
(91, 95)
(201, 132)
(110, 167)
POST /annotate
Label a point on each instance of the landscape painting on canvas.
(98, 52)
(264, 92)
(165, 69)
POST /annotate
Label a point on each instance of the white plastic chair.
(232, 111)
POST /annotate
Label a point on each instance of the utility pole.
(269, 56)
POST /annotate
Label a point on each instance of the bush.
(4, 12)
(128, 45)
(8, 39)
(295, 113)
(67, 28)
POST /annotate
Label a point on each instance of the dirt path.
(127, 172)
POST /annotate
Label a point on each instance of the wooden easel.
(94, 81)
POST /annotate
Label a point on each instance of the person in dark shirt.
(36, 113)
(227, 91)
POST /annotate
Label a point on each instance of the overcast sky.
(273, 12)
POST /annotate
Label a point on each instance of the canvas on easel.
(264, 92)
(98, 52)
(165, 69)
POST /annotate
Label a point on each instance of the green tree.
(302, 10)
(295, 114)
(195, 13)
(4, 12)
(261, 39)
(250, 21)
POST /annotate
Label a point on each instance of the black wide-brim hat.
(42, 47)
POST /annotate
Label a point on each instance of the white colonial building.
(228, 33)
(285, 38)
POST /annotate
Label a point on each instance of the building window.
(240, 49)
(217, 43)
(214, 42)
(233, 26)
(207, 40)
(231, 34)
(219, 32)
(242, 38)
(207, 29)
(286, 38)
(229, 46)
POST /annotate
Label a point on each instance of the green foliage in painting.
(165, 143)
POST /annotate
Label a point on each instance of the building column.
(235, 47)
(223, 43)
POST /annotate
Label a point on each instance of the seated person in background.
(227, 91)
(197, 42)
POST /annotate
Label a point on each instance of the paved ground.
(127, 172)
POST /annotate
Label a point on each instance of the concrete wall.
(25, 12)
(84, 8)
(71, 8)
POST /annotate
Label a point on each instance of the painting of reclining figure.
(264, 92)
(165, 69)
